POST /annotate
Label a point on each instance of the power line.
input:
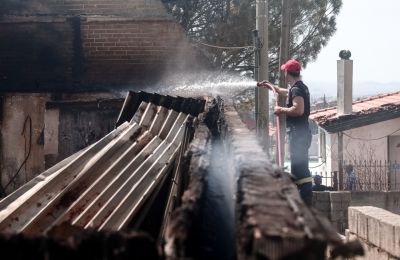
(224, 47)
(313, 167)
(372, 139)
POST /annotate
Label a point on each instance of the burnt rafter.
(179, 104)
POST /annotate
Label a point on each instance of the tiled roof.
(369, 106)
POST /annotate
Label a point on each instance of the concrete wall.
(378, 230)
(16, 109)
(334, 205)
(59, 129)
(360, 150)
(46, 45)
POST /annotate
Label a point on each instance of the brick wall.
(132, 8)
(110, 49)
(123, 52)
(116, 7)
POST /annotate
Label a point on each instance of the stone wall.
(334, 205)
(378, 229)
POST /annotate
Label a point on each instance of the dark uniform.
(299, 141)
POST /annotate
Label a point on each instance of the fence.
(364, 176)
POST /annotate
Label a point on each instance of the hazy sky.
(371, 31)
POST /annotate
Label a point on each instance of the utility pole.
(262, 102)
(283, 58)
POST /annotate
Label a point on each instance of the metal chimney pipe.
(344, 84)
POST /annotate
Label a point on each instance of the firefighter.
(297, 111)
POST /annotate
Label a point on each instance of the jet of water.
(210, 87)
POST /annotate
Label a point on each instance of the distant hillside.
(360, 89)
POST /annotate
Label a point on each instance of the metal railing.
(365, 176)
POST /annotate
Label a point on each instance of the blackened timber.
(180, 104)
(68, 242)
(124, 114)
(181, 237)
(111, 103)
(272, 220)
(156, 99)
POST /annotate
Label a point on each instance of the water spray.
(203, 83)
(222, 88)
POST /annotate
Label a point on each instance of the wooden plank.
(38, 179)
(93, 168)
(176, 133)
(140, 190)
(70, 192)
(130, 205)
(107, 177)
(21, 210)
(168, 123)
(161, 117)
(109, 191)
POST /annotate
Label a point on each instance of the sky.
(370, 30)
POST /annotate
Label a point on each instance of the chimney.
(344, 83)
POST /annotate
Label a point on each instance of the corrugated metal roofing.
(365, 106)
(104, 186)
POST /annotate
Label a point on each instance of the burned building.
(63, 67)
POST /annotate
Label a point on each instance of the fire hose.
(278, 134)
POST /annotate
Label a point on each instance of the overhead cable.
(224, 47)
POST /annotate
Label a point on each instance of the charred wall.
(138, 8)
(38, 131)
(35, 54)
(75, 45)
(73, 126)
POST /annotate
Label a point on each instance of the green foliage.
(231, 22)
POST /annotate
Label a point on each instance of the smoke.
(188, 73)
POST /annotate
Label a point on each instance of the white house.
(368, 134)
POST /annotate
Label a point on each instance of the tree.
(231, 22)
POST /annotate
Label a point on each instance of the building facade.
(369, 136)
